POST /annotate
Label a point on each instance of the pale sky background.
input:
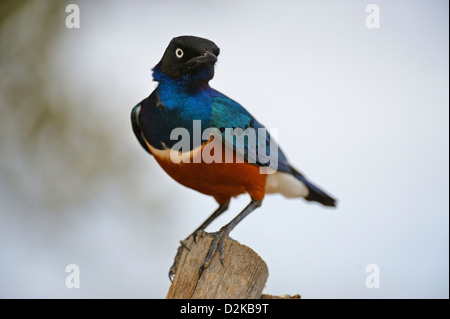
(362, 112)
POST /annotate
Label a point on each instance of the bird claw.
(173, 268)
(183, 245)
(196, 234)
(218, 243)
(172, 271)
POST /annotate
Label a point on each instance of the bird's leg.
(220, 236)
(222, 208)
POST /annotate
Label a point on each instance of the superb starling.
(184, 100)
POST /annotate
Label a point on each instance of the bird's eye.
(179, 53)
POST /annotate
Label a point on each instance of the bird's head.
(189, 57)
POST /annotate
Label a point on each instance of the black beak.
(206, 57)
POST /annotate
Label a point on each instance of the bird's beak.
(206, 57)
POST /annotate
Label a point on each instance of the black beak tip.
(207, 57)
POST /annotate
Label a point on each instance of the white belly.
(285, 184)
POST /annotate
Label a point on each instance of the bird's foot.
(183, 245)
(218, 243)
(196, 234)
(173, 268)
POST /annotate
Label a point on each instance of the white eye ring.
(179, 53)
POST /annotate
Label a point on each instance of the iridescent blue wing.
(243, 134)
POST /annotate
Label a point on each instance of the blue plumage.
(178, 101)
(184, 96)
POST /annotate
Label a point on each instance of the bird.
(183, 99)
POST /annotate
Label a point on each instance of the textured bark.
(243, 274)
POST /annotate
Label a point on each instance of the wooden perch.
(242, 276)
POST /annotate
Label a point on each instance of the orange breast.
(220, 180)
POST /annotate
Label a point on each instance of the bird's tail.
(315, 193)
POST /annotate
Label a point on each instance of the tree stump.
(242, 275)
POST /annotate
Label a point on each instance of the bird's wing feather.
(259, 148)
(136, 128)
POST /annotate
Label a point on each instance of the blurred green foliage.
(56, 147)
